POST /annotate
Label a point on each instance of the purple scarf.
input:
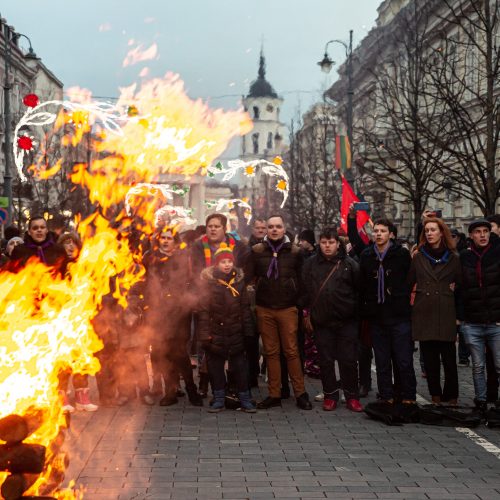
(40, 248)
(381, 272)
(273, 266)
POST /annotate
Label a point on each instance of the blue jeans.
(477, 337)
(394, 342)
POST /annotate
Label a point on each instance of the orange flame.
(46, 320)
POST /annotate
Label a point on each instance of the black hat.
(479, 223)
(308, 235)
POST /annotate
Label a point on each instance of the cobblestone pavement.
(138, 452)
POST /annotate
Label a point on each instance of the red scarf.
(479, 269)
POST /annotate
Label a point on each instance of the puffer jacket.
(481, 301)
(338, 301)
(274, 293)
(396, 306)
(224, 320)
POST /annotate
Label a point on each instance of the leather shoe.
(329, 404)
(168, 401)
(269, 402)
(303, 402)
(354, 405)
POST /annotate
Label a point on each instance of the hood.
(208, 275)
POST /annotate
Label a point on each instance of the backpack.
(447, 416)
(493, 417)
(393, 414)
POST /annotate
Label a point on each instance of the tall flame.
(47, 321)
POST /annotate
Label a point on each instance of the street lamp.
(10, 37)
(326, 65)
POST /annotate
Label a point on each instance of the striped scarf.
(207, 251)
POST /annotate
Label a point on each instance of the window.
(255, 141)
(269, 144)
(256, 113)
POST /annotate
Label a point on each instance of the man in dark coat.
(39, 245)
(480, 294)
(385, 303)
(168, 297)
(331, 281)
(275, 264)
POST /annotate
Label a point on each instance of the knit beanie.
(223, 252)
(308, 235)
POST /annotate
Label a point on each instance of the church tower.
(265, 140)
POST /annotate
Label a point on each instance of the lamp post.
(10, 38)
(326, 65)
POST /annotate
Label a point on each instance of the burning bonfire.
(47, 321)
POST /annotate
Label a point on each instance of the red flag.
(362, 217)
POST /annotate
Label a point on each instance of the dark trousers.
(365, 366)
(237, 364)
(170, 355)
(463, 350)
(253, 357)
(434, 352)
(106, 377)
(131, 370)
(393, 344)
(339, 344)
(365, 355)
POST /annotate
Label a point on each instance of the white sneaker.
(319, 397)
(68, 408)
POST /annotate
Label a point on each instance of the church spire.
(262, 64)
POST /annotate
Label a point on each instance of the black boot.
(203, 385)
(194, 397)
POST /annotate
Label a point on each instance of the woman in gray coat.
(435, 272)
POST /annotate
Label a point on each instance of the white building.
(264, 141)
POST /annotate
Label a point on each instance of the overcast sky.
(213, 44)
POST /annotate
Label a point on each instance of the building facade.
(412, 74)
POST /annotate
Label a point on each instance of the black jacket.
(338, 300)
(47, 252)
(224, 319)
(396, 306)
(481, 304)
(270, 292)
(167, 289)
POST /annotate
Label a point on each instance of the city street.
(137, 452)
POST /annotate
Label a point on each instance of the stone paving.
(138, 452)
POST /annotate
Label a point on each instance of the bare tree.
(397, 153)
(466, 81)
(314, 200)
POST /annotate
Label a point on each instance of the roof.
(261, 87)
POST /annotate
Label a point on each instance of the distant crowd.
(231, 310)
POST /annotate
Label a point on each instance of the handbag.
(308, 326)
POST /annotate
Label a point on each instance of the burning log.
(13, 429)
(22, 457)
(16, 484)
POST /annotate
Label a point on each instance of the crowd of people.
(288, 307)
